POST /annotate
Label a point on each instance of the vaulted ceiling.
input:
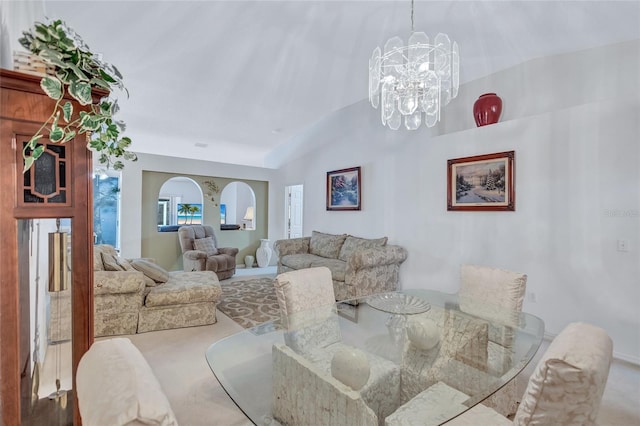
(230, 81)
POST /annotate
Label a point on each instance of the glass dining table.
(387, 327)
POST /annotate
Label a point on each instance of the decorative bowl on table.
(398, 303)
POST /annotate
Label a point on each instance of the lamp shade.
(249, 213)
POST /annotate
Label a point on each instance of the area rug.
(250, 302)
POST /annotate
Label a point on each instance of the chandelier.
(413, 80)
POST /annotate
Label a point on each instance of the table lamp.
(248, 216)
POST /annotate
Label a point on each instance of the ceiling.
(230, 81)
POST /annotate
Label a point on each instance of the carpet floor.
(177, 358)
(249, 302)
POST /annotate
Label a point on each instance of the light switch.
(623, 245)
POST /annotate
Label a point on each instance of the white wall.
(573, 123)
(16, 17)
(188, 191)
(229, 197)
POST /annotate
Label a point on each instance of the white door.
(293, 210)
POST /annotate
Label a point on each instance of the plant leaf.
(116, 71)
(77, 71)
(100, 82)
(112, 131)
(50, 54)
(63, 75)
(37, 152)
(32, 142)
(56, 134)
(105, 107)
(52, 87)
(107, 77)
(53, 30)
(42, 33)
(28, 162)
(124, 142)
(81, 91)
(90, 122)
(70, 135)
(97, 144)
(66, 43)
(25, 40)
(67, 111)
(58, 62)
(115, 107)
(131, 156)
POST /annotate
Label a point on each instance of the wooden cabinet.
(59, 187)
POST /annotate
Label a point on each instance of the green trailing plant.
(77, 72)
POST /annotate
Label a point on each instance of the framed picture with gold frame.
(482, 182)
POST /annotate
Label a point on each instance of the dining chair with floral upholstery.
(498, 295)
(566, 386)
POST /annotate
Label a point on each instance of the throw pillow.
(326, 245)
(115, 263)
(353, 244)
(98, 249)
(206, 245)
(110, 263)
(125, 264)
(151, 270)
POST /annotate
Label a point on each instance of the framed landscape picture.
(482, 182)
(189, 214)
(343, 189)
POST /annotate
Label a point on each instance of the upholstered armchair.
(200, 251)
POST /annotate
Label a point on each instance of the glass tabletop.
(385, 329)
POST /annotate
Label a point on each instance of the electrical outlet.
(623, 245)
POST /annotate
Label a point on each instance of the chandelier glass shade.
(414, 81)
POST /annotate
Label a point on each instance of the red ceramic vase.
(487, 109)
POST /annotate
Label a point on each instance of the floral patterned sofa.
(359, 266)
(136, 295)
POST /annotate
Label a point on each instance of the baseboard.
(629, 359)
(618, 356)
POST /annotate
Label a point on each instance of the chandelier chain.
(412, 16)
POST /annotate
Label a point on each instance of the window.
(106, 209)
